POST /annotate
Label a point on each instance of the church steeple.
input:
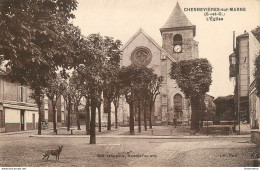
(178, 20)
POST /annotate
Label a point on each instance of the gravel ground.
(216, 157)
(157, 130)
(23, 151)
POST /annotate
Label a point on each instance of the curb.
(140, 137)
(22, 132)
(14, 133)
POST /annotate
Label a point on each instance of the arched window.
(177, 39)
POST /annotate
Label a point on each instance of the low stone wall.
(255, 137)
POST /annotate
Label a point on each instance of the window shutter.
(24, 94)
(19, 94)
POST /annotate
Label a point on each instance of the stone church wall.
(142, 41)
(164, 104)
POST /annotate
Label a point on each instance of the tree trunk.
(39, 120)
(145, 112)
(93, 121)
(139, 117)
(109, 116)
(87, 119)
(54, 117)
(99, 117)
(150, 118)
(202, 112)
(69, 110)
(194, 116)
(77, 114)
(116, 107)
(201, 117)
(132, 121)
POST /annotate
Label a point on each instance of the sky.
(121, 19)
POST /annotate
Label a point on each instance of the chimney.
(234, 41)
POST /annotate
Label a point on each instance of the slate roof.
(177, 19)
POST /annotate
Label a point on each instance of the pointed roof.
(177, 19)
(153, 41)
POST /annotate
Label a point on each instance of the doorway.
(178, 105)
(2, 121)
(22, 120)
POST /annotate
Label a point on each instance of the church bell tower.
(177, 36)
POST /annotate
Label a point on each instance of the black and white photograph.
(129, 83)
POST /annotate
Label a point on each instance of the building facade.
(177, 44)
(17, 111)
(239, 69)
(254, 100)
(242, 68)
(47, 115)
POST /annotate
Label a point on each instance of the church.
(177, 44)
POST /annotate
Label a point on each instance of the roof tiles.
(177, 19)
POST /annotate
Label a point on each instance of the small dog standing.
(53, 153)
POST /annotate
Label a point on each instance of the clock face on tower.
(177, 48)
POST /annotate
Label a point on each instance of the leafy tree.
(257, 73)
(127, 82)
(117, 94)
(153, 92)
(98, 59)
(33, 42)
(54, 91)
(210, 111)
(38, 95)
(134, 81)
(91, 72)
(86, 95)
(111, 68)
(76, 93)
(99, 102)
(194, 78)
(144, 93)
(225, 108)
(66, 93)
(87, 119)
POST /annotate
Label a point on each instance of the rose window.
(141, 56)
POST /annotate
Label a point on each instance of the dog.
(53, 153)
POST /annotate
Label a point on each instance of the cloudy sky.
(122, 18)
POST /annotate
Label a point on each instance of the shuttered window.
(21, 94)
